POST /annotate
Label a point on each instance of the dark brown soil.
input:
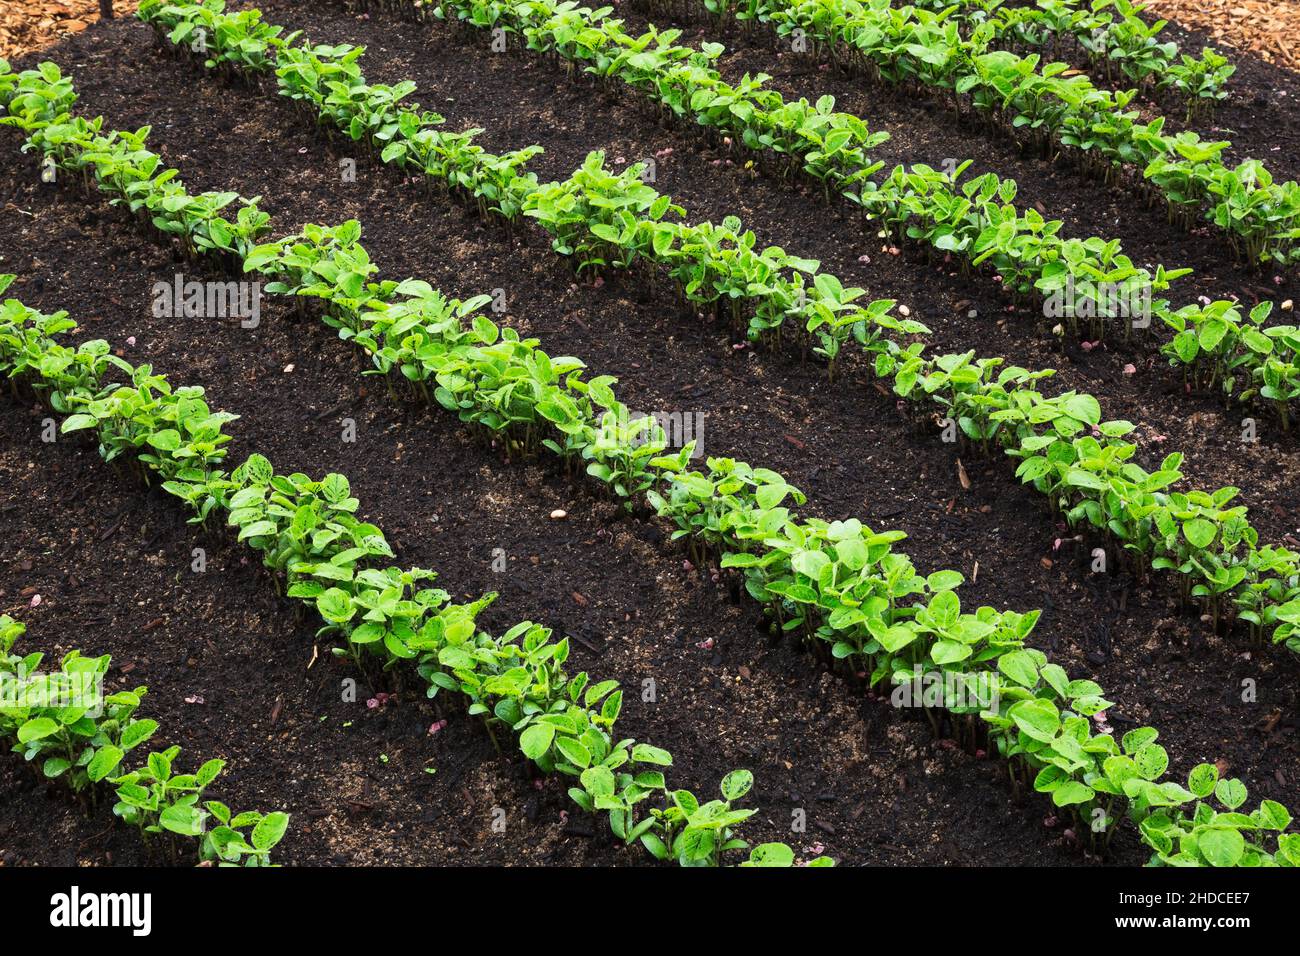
(875, 786)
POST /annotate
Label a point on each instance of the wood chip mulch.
(1269, 28)
(28, 25)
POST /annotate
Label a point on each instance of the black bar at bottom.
(335, 906)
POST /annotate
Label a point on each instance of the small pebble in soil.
(559, 514)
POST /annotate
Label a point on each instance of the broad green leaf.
(736, 784)
(1221, 846)
(770, 854)
(104, 762)
(536, 740)
(36, 729)
(270, 830)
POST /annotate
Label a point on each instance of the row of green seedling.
(71, 730)
(1106, 35)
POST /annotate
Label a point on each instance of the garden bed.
(232, 672)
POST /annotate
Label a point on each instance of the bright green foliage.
(1108, 34)
(1186, 829)
(65, 722)
(62, 720)
(241, 839)
(1243, 357)
(232, 43)
(697, 834)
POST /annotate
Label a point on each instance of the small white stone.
(559, 514)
